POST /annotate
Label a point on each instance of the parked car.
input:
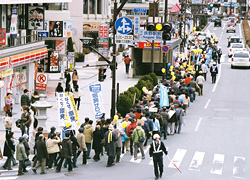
(235, 47)
(233, 39)
(231, 27)
(217, 22)
(240, 59)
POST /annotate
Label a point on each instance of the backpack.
(18, 123)
(131, 130)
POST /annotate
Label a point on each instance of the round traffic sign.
(165, 48)
(41, 78)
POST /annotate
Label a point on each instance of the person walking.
(75, 78)
(165, 118)
(118, 144)
(138, 137)
(156, 125)
(179, 115)
(52, 145)
(67, 77)
(131, 127)
(21, 156)
(66, 153)
(25, 121)
(7, 121)
(42, 154)
(8, 102)
(77, 96)
(35, 97)
(219, 55)
(214, 72)
(27, 149)
(75, 146)
(25, 100)
(204, 70)
(9, 150)
(200, 80)
(127, 61)
(82, 146)
(97, 142)
(110, 139)
(59, 88)
(88, 133)
(157, 148)
(86, 121)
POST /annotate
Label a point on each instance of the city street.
(212, 146)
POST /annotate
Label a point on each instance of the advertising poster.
(13, 23)
(2, 36)
(67, 28)
(36, 18)
(56, 29)
(53, 61)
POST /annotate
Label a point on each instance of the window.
(85, 6)
(241, 55)
(58, 6)
(237, 46)
(99, 6)
(91, 6)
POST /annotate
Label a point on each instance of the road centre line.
(198, 125)
(218, 79)
(208, 101)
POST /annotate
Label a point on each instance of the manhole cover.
(70, 174)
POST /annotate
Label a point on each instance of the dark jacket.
(66, 151)
(35, 98)
(173, 119)
(213, 70)
(41, 149)
(156, 153)
(26, 147)
(8, 147)
(68, 78)
(25, 121)
(165, 117)
(111, 146)
(59, 89)
(25, 100)
(74, 143)
(98, 135)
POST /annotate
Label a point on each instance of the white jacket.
(77, 94)
(52, 145)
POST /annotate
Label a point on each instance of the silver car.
(240, 59)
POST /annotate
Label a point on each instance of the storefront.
(18, 72)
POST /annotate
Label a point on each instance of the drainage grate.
(70, 174)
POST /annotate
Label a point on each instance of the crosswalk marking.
(239, 167)
(10, 174)
(139, 155)
(178, 157)
(217, 164)
(197, 161)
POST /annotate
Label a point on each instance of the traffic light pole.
(113, 91)
(164, 42)
(153, 44)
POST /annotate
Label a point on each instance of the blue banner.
(209, 55)
(163, 96)
(96, 94)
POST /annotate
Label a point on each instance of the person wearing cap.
(21, 156)
(157, 148)
(25, 121)
(42, 154)
(214, 72)
(131, 127)
(52, 145)
(98, 136)
(204, 70)
(138, 133)
(200, 80)
(25, 100)
(110, 139)
(88, 133)
(52, 131)
(82, 145)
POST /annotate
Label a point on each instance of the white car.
(235, 47)
(240, 59)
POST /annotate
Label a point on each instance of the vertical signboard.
(53, 61)
(36, 18)
(67, 28)
(2, 36)
(41, 82)
(136, 25)
(103, 39)
(56, 28)
(13, 23)
(96, 95)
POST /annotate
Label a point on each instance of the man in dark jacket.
(214, 72)
(42, 154)
(9, 149)
(110, 139)
(66, 153)
(97, 139)
(156, 150)
(165, 118)
(67, 76)
(25, 100)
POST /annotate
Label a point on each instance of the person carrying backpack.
(138, 137)
(130, 130)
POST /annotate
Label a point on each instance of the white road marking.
(240, 30)
(178, 157)
(198, 125)
(139, 156)
(197, 161)
(208, 101)
(223, 57)
(220, 118)
(215, 29)
(218, 79)
(217, 164)
(224, 25)
(239, 168)
(221, 109)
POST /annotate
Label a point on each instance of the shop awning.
(32, 1)
(176, 8)
(23, 58)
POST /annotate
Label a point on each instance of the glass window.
(237, 46)
(91, 6)
(55, 6)
(241, 55)
(99, 6)
(65, 6)
(85, 6)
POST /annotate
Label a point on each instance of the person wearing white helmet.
(156, 150)
(214, 72)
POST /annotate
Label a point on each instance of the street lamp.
(86, 41)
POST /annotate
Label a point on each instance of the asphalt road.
(212, 146)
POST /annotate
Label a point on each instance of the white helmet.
(156, 136)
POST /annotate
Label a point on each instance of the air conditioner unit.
(22, 36)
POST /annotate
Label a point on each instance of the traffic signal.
(150, 27)
(217, 5)
(101, 74)
(166, 34)
(211, 5)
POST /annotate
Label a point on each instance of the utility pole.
(164, 42)
(113, 65)
(153, 43)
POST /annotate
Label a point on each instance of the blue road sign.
(42, 34)
(140, 10)
(165, 48)
(150, 35)
(123, 25)
(136, 25)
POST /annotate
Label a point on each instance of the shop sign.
(147, 45)
(60, 46)
(13, 23)
(36, 18)
(2, 36)
(67, 28)
(41, 81)
(56, 29)
(6, 72)
(92, 26)
(54, 58)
